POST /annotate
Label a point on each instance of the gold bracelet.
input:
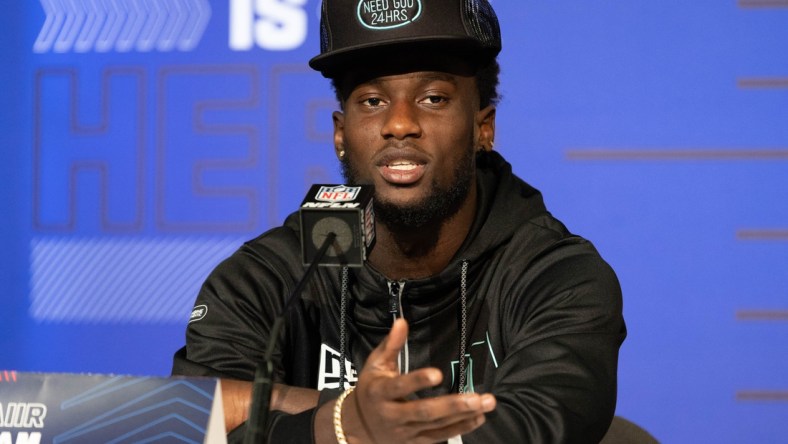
(338, 431)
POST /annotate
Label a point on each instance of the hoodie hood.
(505, 204)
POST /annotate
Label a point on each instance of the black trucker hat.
(361, 30)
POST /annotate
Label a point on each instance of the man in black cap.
(477, 314)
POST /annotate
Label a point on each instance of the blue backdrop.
(144, 140)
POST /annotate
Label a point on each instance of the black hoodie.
(543, 320)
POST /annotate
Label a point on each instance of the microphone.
(337, 229)
(345, 211)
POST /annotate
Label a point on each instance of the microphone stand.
(264, 375)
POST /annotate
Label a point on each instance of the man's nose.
(401, 121)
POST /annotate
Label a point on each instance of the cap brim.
(334, 63)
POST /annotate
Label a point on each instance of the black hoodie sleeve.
(561, 327)
(241, 298)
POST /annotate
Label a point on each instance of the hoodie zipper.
(396, 290)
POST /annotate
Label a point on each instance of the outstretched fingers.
(400, 387)
(434, 419)
(444, 410)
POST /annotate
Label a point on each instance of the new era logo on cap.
(387, 14)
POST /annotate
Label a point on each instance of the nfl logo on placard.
(339, 193)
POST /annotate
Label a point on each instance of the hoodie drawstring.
(342, 325)
(463, 323)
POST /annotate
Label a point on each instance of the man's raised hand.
(381, 410)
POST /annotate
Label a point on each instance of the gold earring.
(341, 154)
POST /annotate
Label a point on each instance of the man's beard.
(440, 204)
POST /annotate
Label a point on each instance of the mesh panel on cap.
(325, 39)
(481, 18)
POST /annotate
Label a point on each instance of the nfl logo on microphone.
(338, 193)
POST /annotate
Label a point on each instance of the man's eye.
(434, 100)
(373, 102)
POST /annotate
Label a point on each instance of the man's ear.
(485, 122)
(339, 134)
